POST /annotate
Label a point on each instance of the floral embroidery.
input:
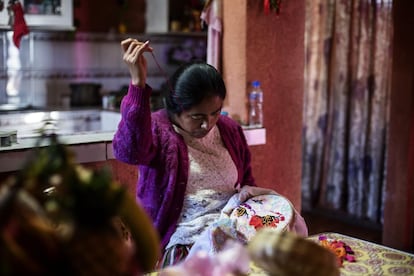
(266, 221)
(241, 211)
(259, 201)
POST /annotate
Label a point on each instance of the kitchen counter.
(87, 147)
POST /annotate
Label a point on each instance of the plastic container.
(256, 105)
(224, 113)
(5, 139)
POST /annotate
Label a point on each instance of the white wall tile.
(43, 55)
(86, 55)
(110, 55)
(51, 64)
(63, 55)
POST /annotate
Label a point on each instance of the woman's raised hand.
(133, 56)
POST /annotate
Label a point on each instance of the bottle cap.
(256, 83)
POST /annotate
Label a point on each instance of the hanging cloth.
(212, 16)
(17, 22)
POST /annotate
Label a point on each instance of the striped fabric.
(173, 255)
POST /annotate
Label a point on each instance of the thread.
(167, 79)
(163, 72)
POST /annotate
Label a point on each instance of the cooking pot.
(85, 94)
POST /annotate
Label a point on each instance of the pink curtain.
(212, 16)
(346, 99)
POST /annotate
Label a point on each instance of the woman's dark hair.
(191, 84)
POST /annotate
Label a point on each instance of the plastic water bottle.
(256, 105)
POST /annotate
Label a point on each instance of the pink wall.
(269, 48)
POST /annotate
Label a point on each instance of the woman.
(191, 159)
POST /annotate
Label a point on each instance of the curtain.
(346, 102)
(212, 16)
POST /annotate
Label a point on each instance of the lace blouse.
(210, 184)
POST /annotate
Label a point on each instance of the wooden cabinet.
(184, 15)
(138, 16)
(120, 16)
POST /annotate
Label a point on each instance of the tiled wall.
(47, 62)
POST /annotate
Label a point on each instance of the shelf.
(255, 136)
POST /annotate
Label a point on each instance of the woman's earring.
(204, 125)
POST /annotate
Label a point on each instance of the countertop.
(87, 147)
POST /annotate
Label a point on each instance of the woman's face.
(201, 118)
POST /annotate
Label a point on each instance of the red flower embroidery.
(269, 220)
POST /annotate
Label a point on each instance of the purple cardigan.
(148, 140)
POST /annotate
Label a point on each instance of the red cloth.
(266, 6)
(19, 25)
